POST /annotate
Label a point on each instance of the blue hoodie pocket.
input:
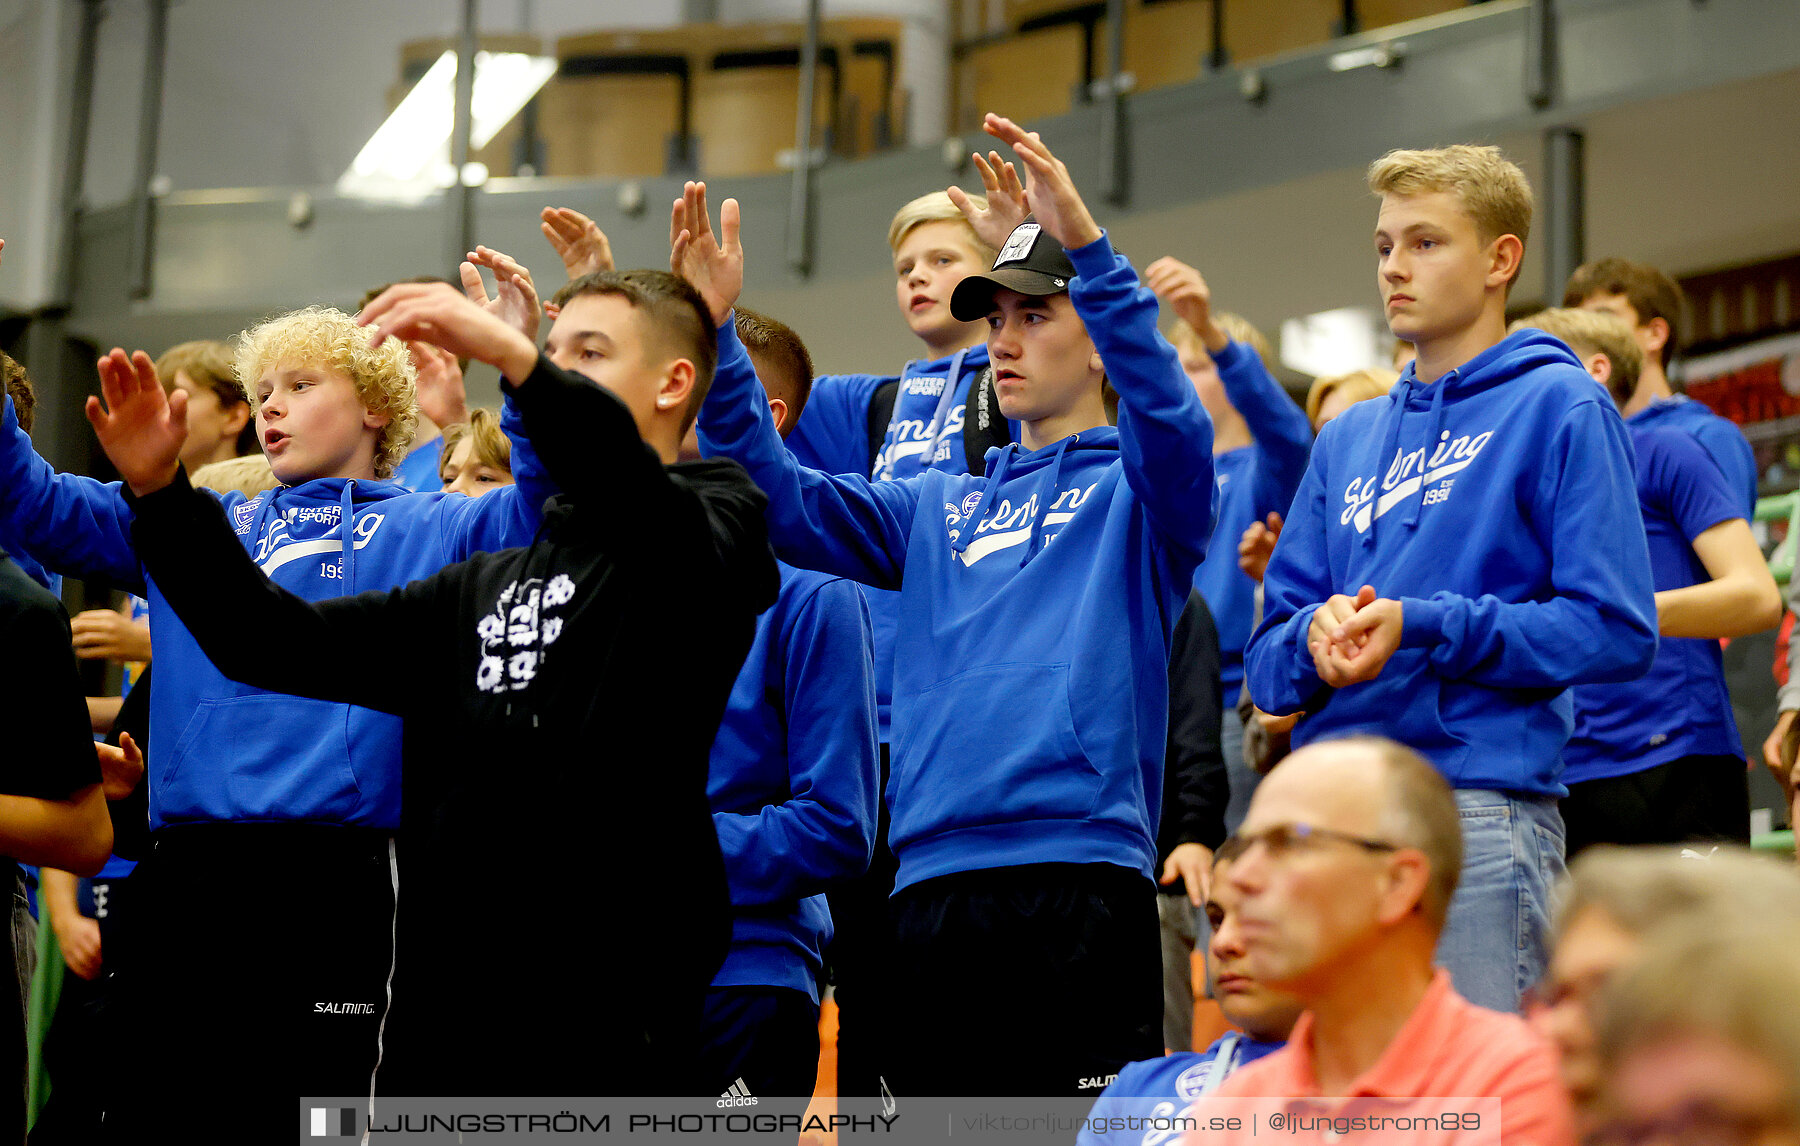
(993, 745)
(266, 756)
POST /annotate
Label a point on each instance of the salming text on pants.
(1036, 980)
(255, 973)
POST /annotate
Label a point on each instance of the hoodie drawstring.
(941, 415)
(1037, 526)
(1401, 395)
(1001, 465)
(1431, 444)
(348, 517)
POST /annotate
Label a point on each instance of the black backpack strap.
(881, 412)
(983, 424)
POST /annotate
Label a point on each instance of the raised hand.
(715, 268)
(1189, 297)
(443, 396)
(1258, 545)
(141, 427)
(515, 300)
(1006, 203)
(1051, 193)
(580, 243)
(443, 316)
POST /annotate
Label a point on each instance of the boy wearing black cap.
(1031, 673)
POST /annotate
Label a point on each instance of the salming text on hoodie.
(1031, 663)
(1499, 507)
(924, 432)
(1254, 481)
(792, 779)
(225, 751)
(1726, 443)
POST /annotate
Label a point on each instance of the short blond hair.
(1593, 332)
(384, 376)
(1490, 187)
(492, 447)
(1359, 385)
(1236, 327)
(937, 208)
(248, 475)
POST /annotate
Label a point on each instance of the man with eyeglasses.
(1345, 866)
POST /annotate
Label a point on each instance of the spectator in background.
(1659, 759)
(1260, 443)
(477, 456)
(220, 424)
(442, 395)
(1266, 738)
(1650, 303)
(1195, 794)
(1344, 871)
(1700, 1042)
(1612, 901)
(1166, 1087)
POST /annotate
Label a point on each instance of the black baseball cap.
(1031, 263)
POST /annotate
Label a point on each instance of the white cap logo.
(1018, 244)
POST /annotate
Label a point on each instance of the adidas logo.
(738, 1094)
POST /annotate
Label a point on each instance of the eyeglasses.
(1284, 840)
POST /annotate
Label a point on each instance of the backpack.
(983, 425)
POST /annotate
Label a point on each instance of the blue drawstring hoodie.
(224, 751)
(1254, 481)
(1499, 506)
(1721, 437)
(792, 779)
(1031, 662)
(924, 432)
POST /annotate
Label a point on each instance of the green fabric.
(46, 989)
(1782, 841)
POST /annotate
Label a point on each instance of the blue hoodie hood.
(1499, 507)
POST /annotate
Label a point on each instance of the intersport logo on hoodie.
(1407, 475)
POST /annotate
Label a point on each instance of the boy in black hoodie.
(597, 661)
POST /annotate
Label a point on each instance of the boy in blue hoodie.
(938, 413)
(1659, 760)
(793, 783)
(1462, 553)
(1260, 444)
(270, 813)
(1031, 667)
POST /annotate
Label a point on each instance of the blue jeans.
(1496, 941)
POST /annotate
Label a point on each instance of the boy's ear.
(1508, 253)
(374, 421)
(1600, 366)
(1653, 336)
(677, 385)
